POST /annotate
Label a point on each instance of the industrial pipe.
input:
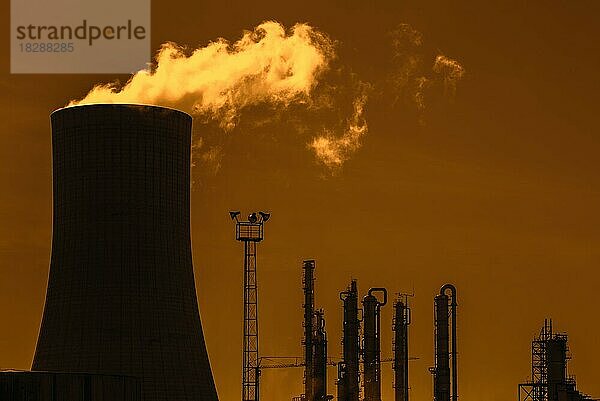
(453, 305)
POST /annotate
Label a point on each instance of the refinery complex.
(121, 319)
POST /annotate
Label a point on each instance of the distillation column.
(349, 370)
(319, 358)
(556, 365)
(444, 377)
(308, 284)
(372, 344)
(401, 322)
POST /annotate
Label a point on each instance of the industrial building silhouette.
(121, 297)
(549, 379)
(121, 319)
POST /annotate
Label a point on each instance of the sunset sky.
(488, 180)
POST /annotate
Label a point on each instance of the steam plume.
(334, 150)
(415, 81)
(289, 73)
(218, 80)
(451, 72)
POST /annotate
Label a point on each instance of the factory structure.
(549, 379)
(121, 319)
(445, 387)
(359, 369)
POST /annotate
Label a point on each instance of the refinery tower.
(121, 297)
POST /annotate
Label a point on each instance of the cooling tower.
(121, 296)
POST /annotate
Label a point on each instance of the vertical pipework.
(453, 305)
(401, 322)
(341, 382)
(320, 358)
(369, 347)
(445, 308)
(441, 378)
(372, 344)
(348, 375)
(309, 306)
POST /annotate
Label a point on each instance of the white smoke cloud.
(285, 70)
(334, 150)
(451, 72)
(406, 43)
(412, 79)
(267, 66)
(220, 79)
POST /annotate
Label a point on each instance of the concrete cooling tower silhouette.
(121, 297)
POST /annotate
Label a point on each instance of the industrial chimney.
(121, 297)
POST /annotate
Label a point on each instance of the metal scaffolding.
(549, 379)
(537, 388)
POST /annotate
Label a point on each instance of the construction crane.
(298, 362)
(288, 362)
(412, 358)
(285, 362)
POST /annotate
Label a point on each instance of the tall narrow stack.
(445, 376)
(401, 321)
(308, 285)
(372, 344)
(349, 370)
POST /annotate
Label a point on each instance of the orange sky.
(497, 191)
